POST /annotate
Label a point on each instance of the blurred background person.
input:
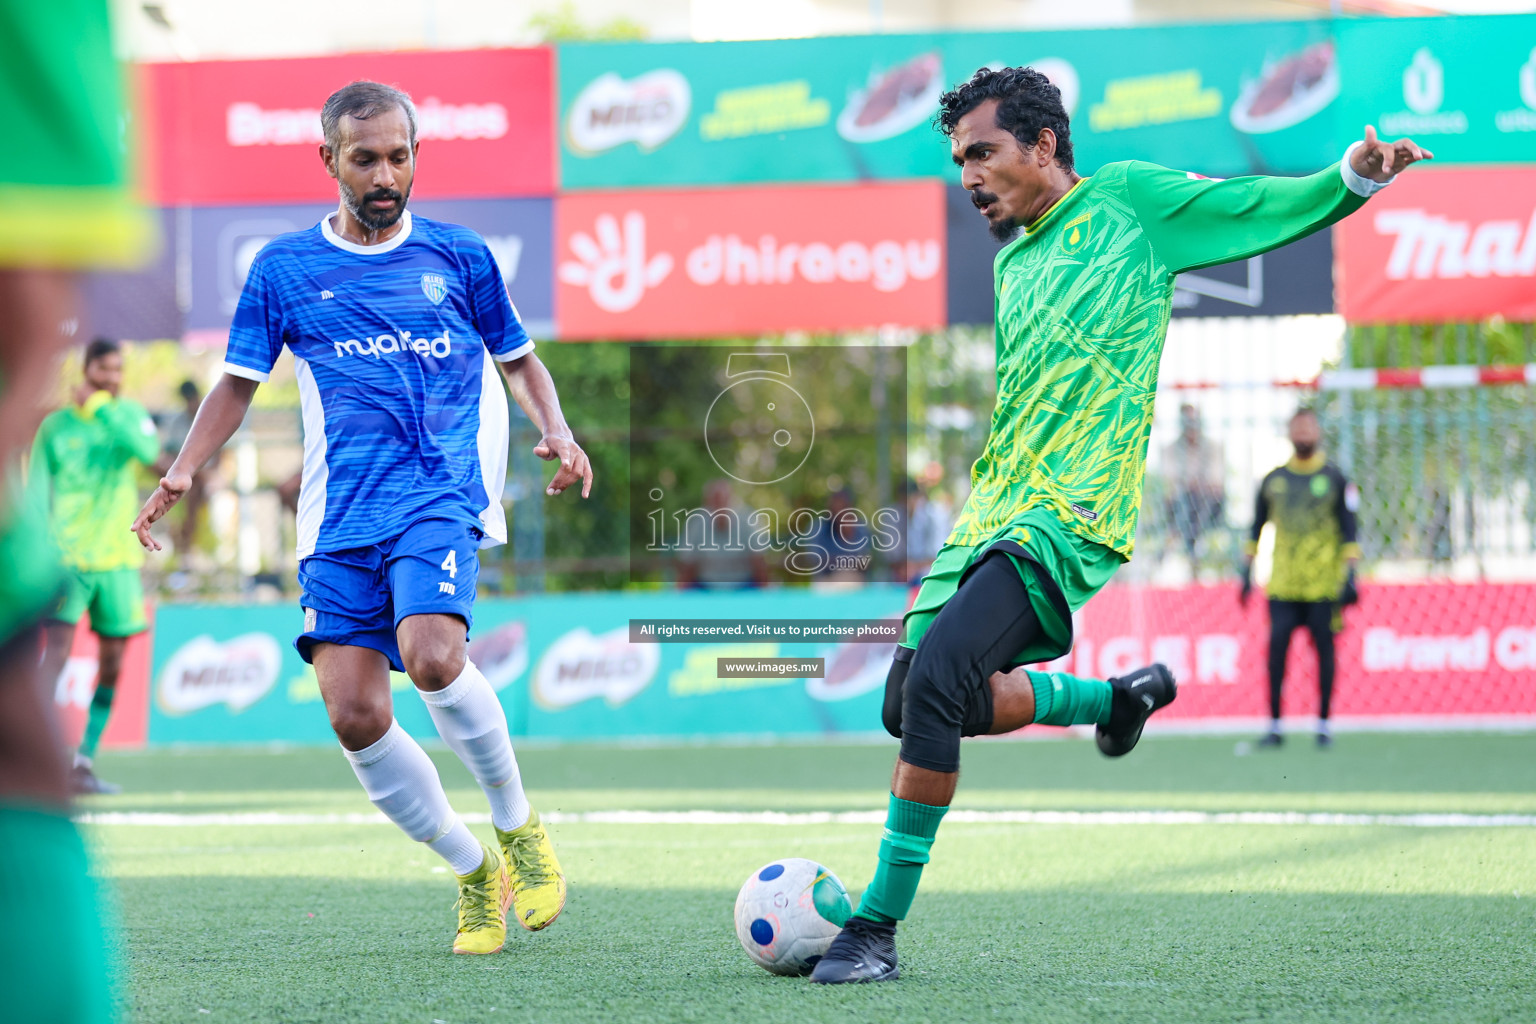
(715, 554)
(842, 541)
(1195, 468)
(84, 466)
(1312, 507)
(929, 518)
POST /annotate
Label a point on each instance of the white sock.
(402, 781)
(471, 721)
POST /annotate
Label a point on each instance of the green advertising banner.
(1219, 99)
(1463, 87)
(564, 667)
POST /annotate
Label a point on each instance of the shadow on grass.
(297, 949)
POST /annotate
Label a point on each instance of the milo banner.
(1463, 87)
(614, 666)
(1219, 99)
(565, 668)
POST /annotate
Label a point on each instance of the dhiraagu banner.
(1463, 87)
(1219, 99)
(563, 665)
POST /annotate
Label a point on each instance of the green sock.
(96, 720)
(1061, 699)
(909, 832)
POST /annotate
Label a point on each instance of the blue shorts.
(358, 596)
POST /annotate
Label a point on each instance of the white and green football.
(788, 913)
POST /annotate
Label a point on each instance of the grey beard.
(369, 220)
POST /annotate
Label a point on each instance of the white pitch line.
(1448, 820)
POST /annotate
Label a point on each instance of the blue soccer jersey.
(404, 414)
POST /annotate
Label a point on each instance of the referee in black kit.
(1312, 507)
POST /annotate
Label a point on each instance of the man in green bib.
(84, 463)
(1082, 298)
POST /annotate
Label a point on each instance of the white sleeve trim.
(236, 370)
(517, 353)
(1360, 186)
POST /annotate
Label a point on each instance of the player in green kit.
(84, 462)
(1083, 297)
(65, 204)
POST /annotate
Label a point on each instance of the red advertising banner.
(1441, 650)
(76, 685)
(742, 261)
(1442, 245)
(248, 131)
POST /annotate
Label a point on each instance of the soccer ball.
(788, 913)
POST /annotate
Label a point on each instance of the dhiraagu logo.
(1074, 233)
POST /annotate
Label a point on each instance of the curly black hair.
(1027, 103)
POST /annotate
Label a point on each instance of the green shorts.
(1061, 571)
(115, 599)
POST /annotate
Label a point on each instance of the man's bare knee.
(360, 723)
(432, 649)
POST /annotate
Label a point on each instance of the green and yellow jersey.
(1083, 298)
(64, 190)
(1312, 507)
(83, 469)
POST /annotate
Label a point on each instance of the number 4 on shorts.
(451, 563)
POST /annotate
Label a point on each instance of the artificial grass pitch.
(248, 916)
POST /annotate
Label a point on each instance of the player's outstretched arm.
(218, 418)
(534, 390)
(1194, 222)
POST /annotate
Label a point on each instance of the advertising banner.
(1297, 278)
(564, 667)
(141, 304)
(223, 241)
(1426, 650)
(76, 685)
(249, 131)
(641, 265)
(1218, 99)
(1465, 88)
(1442, 244)
(569, 667)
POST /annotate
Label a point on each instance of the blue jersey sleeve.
(495, 316)
(256, 335)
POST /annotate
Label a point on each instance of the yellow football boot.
(482, 906)
(538, 886)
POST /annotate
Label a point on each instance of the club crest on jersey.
(434, 287)
(1075, 233)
